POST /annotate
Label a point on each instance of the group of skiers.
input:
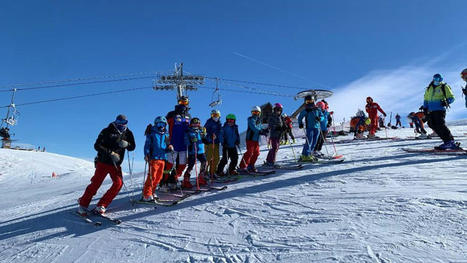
(176, 142)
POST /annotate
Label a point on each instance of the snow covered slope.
(380, 205)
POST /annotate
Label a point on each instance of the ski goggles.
(309, 101)
(121, 122)
(256, 112)
(215, 115)
(183, 102)
(230, 121)
(161, 125)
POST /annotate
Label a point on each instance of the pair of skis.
(180, 197)
(89, 220)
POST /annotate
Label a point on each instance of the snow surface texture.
(380, 205)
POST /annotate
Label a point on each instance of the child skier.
(288, 131)
(323, 128)
(417, 120)
(213, 128)
(110, 146)
(313, 117)
(194, 139)
(230, 140)
(155, 152)
(372, 108)
(253, 132)
(276, 127)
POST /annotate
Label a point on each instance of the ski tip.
(338, 156)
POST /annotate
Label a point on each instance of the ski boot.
(99, 210)
(201, 180)
(451, 145)
(186, 184)
(251, 169)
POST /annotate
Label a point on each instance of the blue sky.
(336, 45)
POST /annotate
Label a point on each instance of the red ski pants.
(156, 171)
(101, 172)
(251, 154)
(373, 125)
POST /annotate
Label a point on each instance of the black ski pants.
(438, 124)
(319, 144)
(228, 153)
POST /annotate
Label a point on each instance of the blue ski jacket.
(193, 137)
(324, 120)
(254, 128)
(178, 136)
(230, 136)
(212, 127)
(313, 117)
(156, 145)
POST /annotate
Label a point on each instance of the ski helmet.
(215, 113)
(121, 119)
(369, 100)
(195, 122)
(309, 99)
(160, 119)
(278, 106)
(464, 74)
(321, 105)
(256, 109)
(230, 117)
(183, 100)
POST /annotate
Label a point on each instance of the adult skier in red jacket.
(372, 108)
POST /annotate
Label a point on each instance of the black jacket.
(107, 142)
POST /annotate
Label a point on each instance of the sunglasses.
(215, 115)
(183, 102)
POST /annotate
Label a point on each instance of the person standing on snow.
(253, 132)
(180, 109)
(372, 108)
(230, 139)
(418, 122)
(110, 146)
(213, 129)
(155, 152)
(438, 96)
(398, 120)
(313, 117)
(194, 139)
(276, 127)
(324, 125)
(288, 131)
(178, 157)
(464, 90)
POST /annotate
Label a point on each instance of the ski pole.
(324, 140)
(196, 168)
(243, 160)
(332, 140)
(123, 183)
(293, 152)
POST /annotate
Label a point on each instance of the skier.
(324, 125)
(372, 108)
(155, 152)
(288, 131)
(213, 128)
(180, 109)
(359, 126)
(179, 156)
(110, 146)
(416, 119)
(464, 90)
(398, 120)
(313, 117)
(276, 127)
(438, 96)
(194, 139)
(253, 133)
(230, 139)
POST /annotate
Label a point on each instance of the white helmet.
(216, 112)
(256, 108)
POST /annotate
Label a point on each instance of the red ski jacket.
(372, 109)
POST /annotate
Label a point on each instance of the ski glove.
(115, 157)
(384, 114)
(170, 148)
(300, 125)
(123, 144)
(194, 139)
(444, 103)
